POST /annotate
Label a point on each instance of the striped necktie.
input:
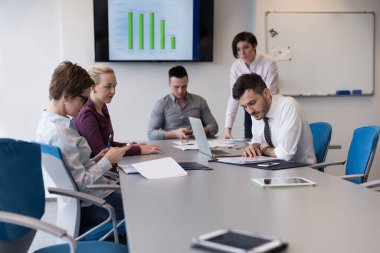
(267, 134)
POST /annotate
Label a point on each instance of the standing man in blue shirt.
(170, 116)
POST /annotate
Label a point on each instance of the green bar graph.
(130, 30)
(162, 32)
(141, 30)
(139, 18)
(151, 29)
(172, 42)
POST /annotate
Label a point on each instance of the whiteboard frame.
(369, 84)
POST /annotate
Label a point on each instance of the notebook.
(204, 146)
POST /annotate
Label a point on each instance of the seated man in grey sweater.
(170, 115)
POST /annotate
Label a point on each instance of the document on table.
(159, 168)
(246, 160)
(215, 143)
(186, 145)
(226, 143)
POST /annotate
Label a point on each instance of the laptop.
(204, 146)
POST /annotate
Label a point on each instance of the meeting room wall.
(36, 35)
(344, 113)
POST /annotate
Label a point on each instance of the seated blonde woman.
(94, 121)
(69, 90)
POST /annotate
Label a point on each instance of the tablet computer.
(238, 241)
(282, 182)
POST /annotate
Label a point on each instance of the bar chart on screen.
(141, 29)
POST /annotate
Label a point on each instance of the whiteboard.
(320, 53)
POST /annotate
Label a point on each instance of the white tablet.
(237, 241)
(282, 182)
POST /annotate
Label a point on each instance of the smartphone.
(268, 164)
(237, 241)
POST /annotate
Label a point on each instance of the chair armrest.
(104, 187)
(334, 147)
(352, 176)
(36, 224)
(79, 195)
(112, 174)
(326, 164)
(372, 184)
(92, 200)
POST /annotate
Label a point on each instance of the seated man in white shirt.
(288, 135)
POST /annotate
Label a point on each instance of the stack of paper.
(226, 143)
(185, 145)
(155, 169)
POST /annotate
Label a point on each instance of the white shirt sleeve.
(257, 131)
(289, 133)
(232, 104)
(76, 156)
(271, 79)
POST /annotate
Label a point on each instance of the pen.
(109, 141)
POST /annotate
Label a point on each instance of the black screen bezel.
(203, 33)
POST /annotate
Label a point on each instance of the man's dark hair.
(177, 71)
(70, 79)
(252, 81)
(243, 36)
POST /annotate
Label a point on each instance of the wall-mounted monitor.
(153, 30)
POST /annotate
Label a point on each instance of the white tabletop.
(164, 215)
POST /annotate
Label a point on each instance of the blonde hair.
(97, 70)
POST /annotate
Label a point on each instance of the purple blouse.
(96, 129)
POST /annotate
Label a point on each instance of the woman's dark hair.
(243, 36)
(69, 79)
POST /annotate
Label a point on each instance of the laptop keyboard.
(219, 152)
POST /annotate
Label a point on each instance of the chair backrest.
(362, 151)
(68, 209)
(21, 191)
(321, 132)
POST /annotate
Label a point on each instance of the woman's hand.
(100, 155)
(227, 134)
(150, 149)
(114, 155)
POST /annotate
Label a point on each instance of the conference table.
(163, 215)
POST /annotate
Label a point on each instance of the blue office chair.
(360, 155)
(321, 132)
(22, 204)
(68, 208)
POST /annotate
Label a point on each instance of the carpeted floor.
(43, 239)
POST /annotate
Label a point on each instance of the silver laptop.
(204, 146)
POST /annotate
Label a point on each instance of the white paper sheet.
(159, 168)
(226, 143)
(186, 147)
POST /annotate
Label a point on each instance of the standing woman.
(248, 61)
(68, 92)
(94, 122)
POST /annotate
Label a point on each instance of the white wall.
(344, 113)
(37, 34)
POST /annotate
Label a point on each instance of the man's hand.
(252, 150)
(182, 133)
